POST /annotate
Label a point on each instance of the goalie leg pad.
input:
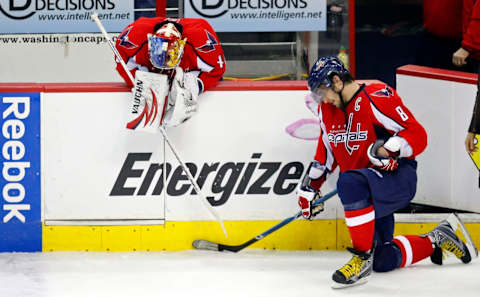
(148, 101)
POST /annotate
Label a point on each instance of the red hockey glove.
(379, 161)
(306, 199)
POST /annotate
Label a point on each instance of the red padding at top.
(437, 73)
(85, 87)
(121, 87)
(289, 85)
(261, 85)
(21, 88)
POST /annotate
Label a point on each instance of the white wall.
(50, 58)
(447, 175)
(85, 145)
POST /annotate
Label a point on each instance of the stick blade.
(201, 244)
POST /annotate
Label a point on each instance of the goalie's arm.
(131, 65)
(209, 56)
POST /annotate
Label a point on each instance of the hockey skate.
(445, 240)
(355, 272)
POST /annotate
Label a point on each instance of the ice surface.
(193, 273)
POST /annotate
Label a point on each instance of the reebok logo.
(14, 165)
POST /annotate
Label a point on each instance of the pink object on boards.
(307, 129)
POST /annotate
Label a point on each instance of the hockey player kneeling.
(373, 138)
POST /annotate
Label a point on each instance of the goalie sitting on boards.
(186, 51)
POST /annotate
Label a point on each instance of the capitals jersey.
(376, 111)
(202, 52)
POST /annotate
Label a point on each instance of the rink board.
(443, 102)
(102, 187)
(177, 236)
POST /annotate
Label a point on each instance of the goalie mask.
(165, 46)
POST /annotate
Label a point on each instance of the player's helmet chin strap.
(343, 104)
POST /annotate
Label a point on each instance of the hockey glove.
(183, 98)
(379, 161)
(306, 200)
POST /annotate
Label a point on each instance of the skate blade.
(362, 281)
(205, 245)
(456, 224)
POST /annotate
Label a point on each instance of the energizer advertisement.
(225, 179)
(20, 226)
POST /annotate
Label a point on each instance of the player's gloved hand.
(192, 83)
(307, 196)
(189, 83)
(381, 157)
(183, 98)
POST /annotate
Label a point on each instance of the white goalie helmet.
(165, 45)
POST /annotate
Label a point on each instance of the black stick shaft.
(236, 248)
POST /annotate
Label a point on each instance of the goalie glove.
(307, 196)
(386, 163)
(183, 98)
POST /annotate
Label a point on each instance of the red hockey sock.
(414, 248)
(361, 225)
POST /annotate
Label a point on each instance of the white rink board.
(231, 127)
(447, 176)
(64, 58)
(85, 146)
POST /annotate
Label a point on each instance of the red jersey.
(376, 111)
(441, 18)
(202, 51)
(471, 28)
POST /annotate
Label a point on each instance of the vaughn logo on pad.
(149, 100)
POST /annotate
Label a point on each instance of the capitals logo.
(209, 44)
(125, 41)
(386, 92)
(349, 136)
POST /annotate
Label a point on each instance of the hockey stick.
(209, 245)
(212, 211)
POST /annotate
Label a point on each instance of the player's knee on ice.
(387, 257)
